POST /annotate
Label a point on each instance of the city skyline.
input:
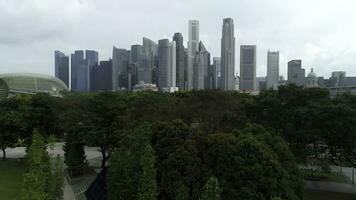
(314, 32)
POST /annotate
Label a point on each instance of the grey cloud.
(32, 29)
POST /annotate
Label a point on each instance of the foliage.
(211, 190)
(37, 179)
(148, 185)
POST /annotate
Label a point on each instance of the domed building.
(20, 83)
(312, 79)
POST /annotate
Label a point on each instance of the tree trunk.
(3, 154)
(103, 161)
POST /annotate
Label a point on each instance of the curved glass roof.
(21, 83)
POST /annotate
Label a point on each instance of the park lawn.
(11, 172)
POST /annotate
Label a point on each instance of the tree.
(10, 124)
(182, 192)
(148, 185)
(104, 122)
(211, 190)
(132, 167)
(58, 181)
(37, 184)
(74, 154)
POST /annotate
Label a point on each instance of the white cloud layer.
(320, 32)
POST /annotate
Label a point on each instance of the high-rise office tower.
(296, 74)
(120, 61)
(248, 68)
(148, 63)
(200, 69)
(193, 48)
(180, 61)
(166, 71)
(61, 69)
(92, 58)
(216, 73)
(228, 55)
(77, 59)
(101, 76)
(137, 58)
(272, 69)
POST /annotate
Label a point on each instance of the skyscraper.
(101, 76)
(166, 66)
(137, 58)
(216, 73)
(296, 74)
(180, 62)
(272, 69)
(248, 68)
(200, 69)
(77, 59)
(92, 58)
(120, 61)
(228, 55)
(61, 63)
(149, 54)
(193, 48)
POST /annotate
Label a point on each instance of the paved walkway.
(331, 187)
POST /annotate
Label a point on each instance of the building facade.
(193, 49)
(101, 76)
(248, 68)
(149, 54)
(228, 55)
(166, 71)
(180, 61)
(272, 69)
(296, 74)
(77, 62)
(120, 61)
(200, 69)
(61, 67)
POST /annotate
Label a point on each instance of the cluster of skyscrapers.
(168, 66)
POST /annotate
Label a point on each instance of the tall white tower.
(228, 55)
(193, 49)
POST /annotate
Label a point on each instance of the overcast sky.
(320, 32)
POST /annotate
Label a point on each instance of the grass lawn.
(319, 195)
(11, 173)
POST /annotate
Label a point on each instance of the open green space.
(320, 195)
(11, 172)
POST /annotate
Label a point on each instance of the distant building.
(92, 58)
(311, 79)
(150, 49)
(26, 83)
(141, 86)
(248, 68)
(193, 49)
(261, 83)
(296, 74)
(137, 58)
(77, 59)
(200, 70)
(61, 63)
(272, 69)
(166, 70)
(180, 61)
(120, 61)
(215, 73)
(228, 55)
(101, 76)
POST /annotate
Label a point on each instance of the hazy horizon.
(320, 32)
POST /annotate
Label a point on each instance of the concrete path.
(331, 187)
